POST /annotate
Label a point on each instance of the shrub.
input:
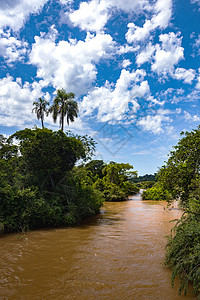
(156, 192)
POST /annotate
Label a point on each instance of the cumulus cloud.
(126, 63)
(160, 19)
(154, 123)
(11, 48)
(91, 16)
(168, 53)
(13, 13)
(16, 100)
(70, 64)
(145, 55)
(186, 75)
(112, 102)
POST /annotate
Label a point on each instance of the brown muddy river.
(117, 255)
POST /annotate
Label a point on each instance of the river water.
(116, 255)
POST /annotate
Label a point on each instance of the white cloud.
(111, 103)
(186, 75)
(123, 49)
(145, 55)
(91, 16)
(154, 123)
(160, 19)
(154, 101)
(13, 13)
(196, 44)
(189, 117)
(16, 100)
(66, 2)
(126, 63)
(70, 65)
(195, 1)
(198, 83)
(129, 5)
(16, 103)
(165, 56)
(168, 54)
(11, 48)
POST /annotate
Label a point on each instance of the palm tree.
(40, 108)
(64, 105)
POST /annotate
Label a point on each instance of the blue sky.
(133, 65)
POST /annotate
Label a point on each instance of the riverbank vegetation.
(37, 186)
(41, 186)
(179, 179)
(156, 192)
(112, 180)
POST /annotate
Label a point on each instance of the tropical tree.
(40, 107)
(182, 167)
(115, 184)
(64, 105)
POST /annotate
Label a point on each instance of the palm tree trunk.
(42, 123)
(62, 121)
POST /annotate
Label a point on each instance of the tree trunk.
(62, 121)
(42, 123)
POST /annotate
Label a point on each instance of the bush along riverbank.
(179, 179)
(40, 185)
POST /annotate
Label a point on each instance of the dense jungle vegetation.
(179, 179)
(41, 186)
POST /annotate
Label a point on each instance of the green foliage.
(183, 252)
(95, 167)
(40, 108)
(182, 166)
(147, 177)
(180, 178)
(47, 155)
(145, 184)
(37, 185)
(64, 105)
(115, 184)
(23, 209)
(156, 192)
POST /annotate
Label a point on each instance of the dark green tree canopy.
(48, 155)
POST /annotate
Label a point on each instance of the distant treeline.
(147, 177)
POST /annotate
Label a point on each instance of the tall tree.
(40, 107)
(64, 105)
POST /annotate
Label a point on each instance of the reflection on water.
(116, 255)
